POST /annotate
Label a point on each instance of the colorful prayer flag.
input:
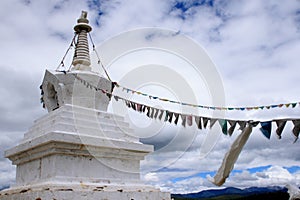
(190, 120)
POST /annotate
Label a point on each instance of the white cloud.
(272, 176)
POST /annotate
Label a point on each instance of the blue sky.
(291, 169)
(254, 45)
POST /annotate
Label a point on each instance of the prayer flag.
(183, 117)
(148, 111)
(266, 128)
(166, 116)
(161, 114)
(254, 123)
(127, 103)
(138, 107)
(170, 116)
(232, 126)
(205, 121)
(133, 105)
(296, 128)
(152, 113)
(242, 124)
(144, 109)
(176, 118)
(190, 120)
(212, 122)
(156, 113)
(280, 126)
(223, 124)
(198, 122)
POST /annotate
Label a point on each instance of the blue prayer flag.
(266, 128)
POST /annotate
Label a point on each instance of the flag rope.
(248, 108)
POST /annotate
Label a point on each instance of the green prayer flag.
(223, 124)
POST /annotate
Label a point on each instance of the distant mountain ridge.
(4, 187)
(232, 192)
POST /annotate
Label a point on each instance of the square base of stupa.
(80, 153)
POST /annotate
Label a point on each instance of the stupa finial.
(81, 59)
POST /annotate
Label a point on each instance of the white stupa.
(79, 150)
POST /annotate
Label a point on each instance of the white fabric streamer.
(231, 157)
(293, 191)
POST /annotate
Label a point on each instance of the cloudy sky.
(254, 45)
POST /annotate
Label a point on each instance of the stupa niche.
(78, 150)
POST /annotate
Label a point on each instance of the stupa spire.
(81, 59)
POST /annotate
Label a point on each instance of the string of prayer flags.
(115, 84)
(281, 105)
(200, 121)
